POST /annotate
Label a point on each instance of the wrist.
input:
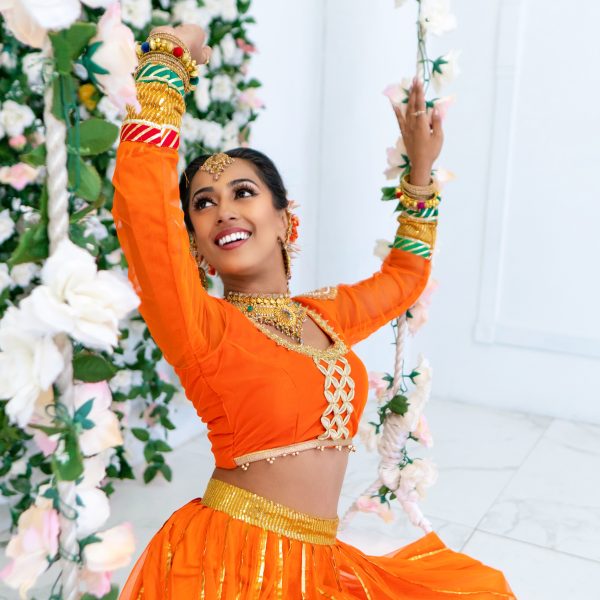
(419, 176)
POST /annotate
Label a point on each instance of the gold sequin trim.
(324, 293)
(160, 104)
(256, 510)
(292, 449)
(419, 556)
(417, 229)
(335, 351)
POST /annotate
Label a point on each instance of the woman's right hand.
(193, 36)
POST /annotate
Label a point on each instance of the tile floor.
(518, 492)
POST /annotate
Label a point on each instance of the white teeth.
(232, 237)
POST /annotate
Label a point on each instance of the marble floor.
(518, 492)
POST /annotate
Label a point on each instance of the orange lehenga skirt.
(233, 544)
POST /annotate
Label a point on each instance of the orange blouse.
(259, 394)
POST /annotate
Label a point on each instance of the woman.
(273, 377)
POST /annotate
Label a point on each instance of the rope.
(58, 230)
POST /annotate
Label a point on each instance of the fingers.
(436, 123)
(205, 55)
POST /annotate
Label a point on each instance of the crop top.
(260, 395)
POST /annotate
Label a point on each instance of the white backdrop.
(515, 322)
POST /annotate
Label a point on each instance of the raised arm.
(183, 319)
(360, 309)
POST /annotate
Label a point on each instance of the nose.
(226, 212)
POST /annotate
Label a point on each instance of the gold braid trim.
(417, 229)
(161, 104)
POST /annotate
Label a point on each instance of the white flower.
(212, 134)
(398, 92)
(188, 11)
(231, 133)
(106, 432)
(416, 477)
(23, 273)
(216, 59)
(93, 508)
(419, 396)
(15, 117)
(8, 60)
(95, 228)
(114, 257)
(125, 379)
(231, 52)
(436, 17)
(397, 158)
(242, 116)
(29, 364)
(117, 55)
(229, 10)
(446, 71)
(191, 129)
(136, 12)
(30, 548)
(33, 64)
(5, 279)
(201, 94)
(113, 551)
(222, 88)
(368, 437)
(382, 248)
(78, 299)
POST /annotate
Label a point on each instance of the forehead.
(239, 169)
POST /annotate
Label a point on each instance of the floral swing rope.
(400, 413)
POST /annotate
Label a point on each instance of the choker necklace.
(277, 310)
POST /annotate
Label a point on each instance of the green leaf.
(166, 471)
(140, 434)
(33, 245)
(71, 468)
(96, 136)
(161, 446)
(68, 44)
(91, 368)
(84, 410)
(63, 90)
(398, 404)
(90, 539)
(150, 474)
(48, 430)
(61, 53)
(35, 158)
(388, 193)
(90, 184)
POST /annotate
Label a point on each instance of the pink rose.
(248, 48)
(443, 104)
(113, 551)
(423, 433)
(17, 141)
(97, 584)
(117, 55)
(30, 548)
(378, 384)
(368, 504)
(249, 99)
(18, 176)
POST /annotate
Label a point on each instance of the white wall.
(515, 322)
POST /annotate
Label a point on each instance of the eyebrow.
(230, 184)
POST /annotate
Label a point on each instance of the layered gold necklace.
(277, 310)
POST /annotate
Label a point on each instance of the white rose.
(33, 64)
(231, 133)
(113, 551)
(8, 60)
(188, 11)
(23, 274)
(15, 117)
(5, 278)
(449, 70)
(93, 508)
(201, 94)
(122, 381)
(95, 228)
(382, 249)
(222, 88)
(232, 54)
(417, 477)
(229, 10)
(212, 134)
(136, 12)
(114, 257)
(436, 17)
(242, 115)
(78, 299)
(216, 60)
(191, 129)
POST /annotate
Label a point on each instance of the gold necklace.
(277, 310)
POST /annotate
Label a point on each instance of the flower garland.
(400, 411)
(82, 383)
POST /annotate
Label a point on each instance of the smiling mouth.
(233, 239)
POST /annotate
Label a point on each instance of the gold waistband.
(264, 513)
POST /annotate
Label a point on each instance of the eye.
(244, 191)
(200, 203)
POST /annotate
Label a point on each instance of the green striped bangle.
(151, 72)
(414, 246)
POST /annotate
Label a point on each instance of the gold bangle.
(166, 43)
(417, 229)
(418, 191)
(160, 104)
(167, 60)
(419, 203)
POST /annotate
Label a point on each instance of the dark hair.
(266, 169)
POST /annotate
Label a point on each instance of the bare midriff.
(310, 482)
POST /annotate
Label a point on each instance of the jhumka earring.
(201, 269)
(287, 246)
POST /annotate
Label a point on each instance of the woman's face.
(237, 204)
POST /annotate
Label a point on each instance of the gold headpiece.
(216, 164)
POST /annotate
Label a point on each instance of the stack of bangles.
(167, 50)
(418, 219)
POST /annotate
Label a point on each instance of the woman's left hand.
(422, 134)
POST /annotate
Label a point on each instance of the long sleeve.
(184, 320)
(362, 308)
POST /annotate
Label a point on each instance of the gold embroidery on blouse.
(293, 449)
(339, 393)
(333, 352)
(324, 293)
